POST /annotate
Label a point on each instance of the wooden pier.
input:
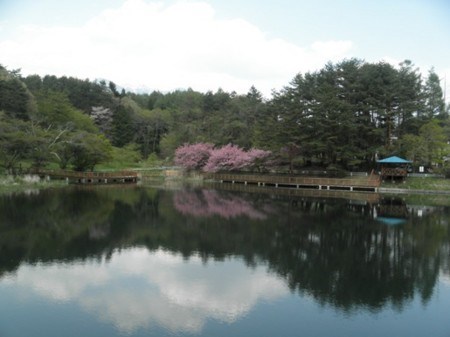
(360, 184)
(74, 177)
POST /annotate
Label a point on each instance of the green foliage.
(55, 109)
(434, 141)
(153, 161)
(127, 156)
(15, 98)
(428, 147)
(434, 97)
(342, 115)
(151, 125)
(413, 148)
(15, 142)
(169, 143)
(89, 150)
(122, 127)
(347, 112)
(82, 94)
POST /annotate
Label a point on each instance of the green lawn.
(426, 183)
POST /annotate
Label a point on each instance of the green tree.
(14, 143)
(15, 99)
(150, 128)
(413, 148)
(380, 83)
(82, 94)
(434, 141)
(20, 140)
(123, 129)
(88, 150)
(434, 98)
(410, 99)
(55, 109)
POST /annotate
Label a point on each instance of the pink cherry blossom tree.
(257, 158)
(227, 158)
(193, 156)
(203, 156)
(233, 158)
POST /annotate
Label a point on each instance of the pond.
(140, 261)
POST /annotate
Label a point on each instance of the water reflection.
(206, 203)
(136, 289)
(141, 257)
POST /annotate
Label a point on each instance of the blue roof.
(393, 160)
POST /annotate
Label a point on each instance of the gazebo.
(394, 167)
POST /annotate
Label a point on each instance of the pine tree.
(434, 98)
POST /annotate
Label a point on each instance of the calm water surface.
(139, 261)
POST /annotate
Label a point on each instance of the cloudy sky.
(207, 44)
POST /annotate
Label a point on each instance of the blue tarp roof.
(393, 160)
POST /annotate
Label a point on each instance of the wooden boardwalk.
(360, 184)
(74, 177)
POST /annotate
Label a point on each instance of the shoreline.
(11, 184)
(389, 190)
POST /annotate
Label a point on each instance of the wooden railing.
(393, 172)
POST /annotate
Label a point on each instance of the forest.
(344, 116)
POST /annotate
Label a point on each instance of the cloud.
(445, 279)
(165, 47)
(137, 289)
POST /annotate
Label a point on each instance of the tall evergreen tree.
(410, 98)
(434, 97)
(123, 129)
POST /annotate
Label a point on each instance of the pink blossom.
(257, 157)
(227, 158)
(232, 157)
(193, 156)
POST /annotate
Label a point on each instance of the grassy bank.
(417, 183)
(11, 184)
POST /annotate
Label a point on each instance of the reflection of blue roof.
(391, 221)
(393, 160)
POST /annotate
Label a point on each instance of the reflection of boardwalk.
(365, 184)
(369, 197)
(73, 177)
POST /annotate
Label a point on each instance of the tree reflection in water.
(206, 203)
(331, 250)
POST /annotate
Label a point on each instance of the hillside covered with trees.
(345, 115)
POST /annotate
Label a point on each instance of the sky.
(166, 45)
